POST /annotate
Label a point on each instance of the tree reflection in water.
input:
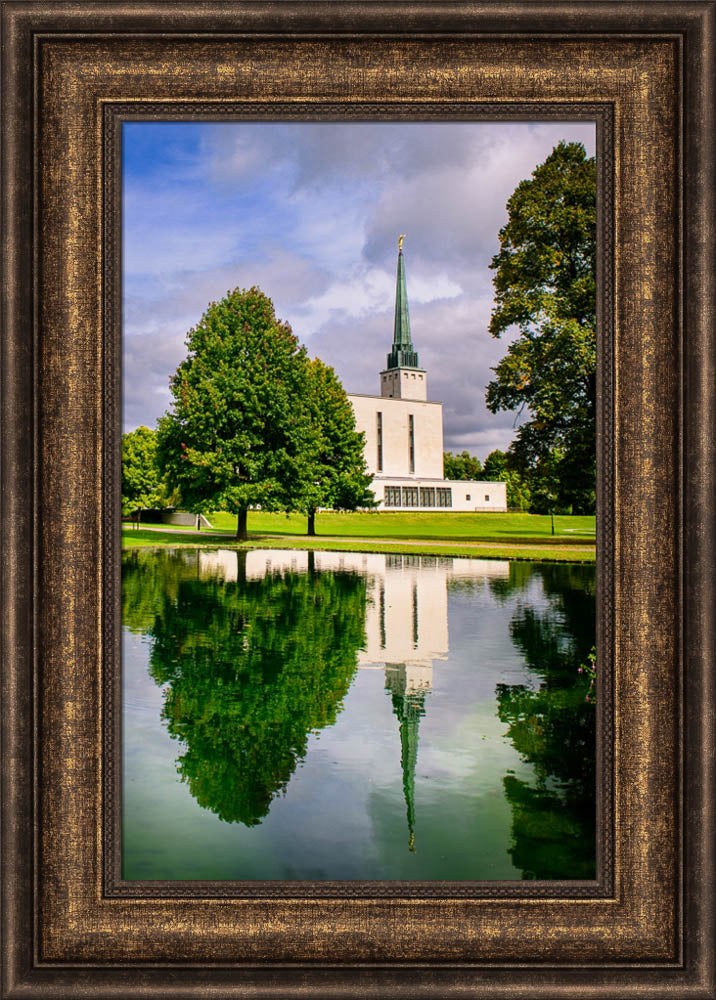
(254, 660)
(253, 666)
(553, 726)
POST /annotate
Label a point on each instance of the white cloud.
(311, 212)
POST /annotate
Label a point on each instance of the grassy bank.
(476, 550)
(433, 526)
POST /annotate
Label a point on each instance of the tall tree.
(141, 477)
(240, 433)
(338, 478)
(461, 467)
(495, 466)
(545, 286)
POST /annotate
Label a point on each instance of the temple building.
(404, 432)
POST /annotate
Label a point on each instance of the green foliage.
(466, 467)
(549, 840)
(240, 434)
(462, 467)
(252, 667)
(142, 484)
(495, 466)
(545, 286)
(519, 495)
(550, 721)
(496, 469)
(149, 578)
(552, 725)
(589, 669)
(337, 477)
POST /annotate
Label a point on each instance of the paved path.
(457, 543)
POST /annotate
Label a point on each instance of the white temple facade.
(404, 433)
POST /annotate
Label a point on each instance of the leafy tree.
(496, 469)
(240, 433)
(495, 466)
(545, 286)
(252, 667)
(337, 478)
(462, 466)
(142, 484)
(519, 495)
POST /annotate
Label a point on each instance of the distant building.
(404, 433)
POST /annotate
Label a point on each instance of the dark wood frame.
(647, 928)
(115, 114)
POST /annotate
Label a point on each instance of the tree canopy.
(338, 477)
(496, 469)
(240, 433)
(495, 465)
(545, 287)
(142, 484)
(465, 466)
(462, 467)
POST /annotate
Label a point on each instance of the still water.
(295, 715)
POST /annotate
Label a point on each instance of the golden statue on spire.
(400, 242)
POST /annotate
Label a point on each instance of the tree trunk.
(311, 522)
(241, 532)
(241, 555)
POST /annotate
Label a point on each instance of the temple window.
(444, 497)
(410, 496)
(379, 416)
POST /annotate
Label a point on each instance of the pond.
(298, 715)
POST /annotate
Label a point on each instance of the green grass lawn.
(419, 525)
(483, 536)
(533, 552)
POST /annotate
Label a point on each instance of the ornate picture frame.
(71, 73)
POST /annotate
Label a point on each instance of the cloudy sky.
(311, 212)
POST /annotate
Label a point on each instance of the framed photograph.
(309, 704)
(342, 806)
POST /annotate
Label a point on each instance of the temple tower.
(403, 377)
(409, 707)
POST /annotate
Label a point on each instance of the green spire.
(401, 329)
(402, 355)
(408, 707)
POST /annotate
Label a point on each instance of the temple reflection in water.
(406, 619)
(406, 624)
(288, 698)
